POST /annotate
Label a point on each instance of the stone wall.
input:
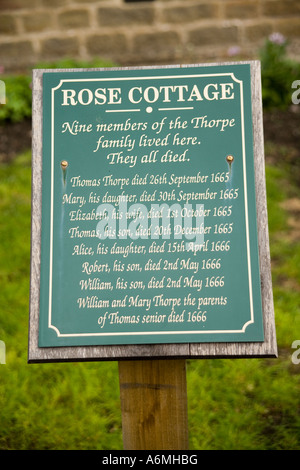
(132, 32)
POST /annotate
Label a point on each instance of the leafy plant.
(278, 72)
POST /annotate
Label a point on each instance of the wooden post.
(154, 404)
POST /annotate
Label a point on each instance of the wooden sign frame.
(267, 348)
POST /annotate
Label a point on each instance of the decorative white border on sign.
(189, 332)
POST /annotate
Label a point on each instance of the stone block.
(108, 45)
(7, 24)
(241, 10)
(281, 8)
(97, 1)
(40, 21)
(289, 29)
(54, 3)
(157, 45)
(256, 32)
(16, 54)
(18, 4)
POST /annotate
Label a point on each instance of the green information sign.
(149, 230)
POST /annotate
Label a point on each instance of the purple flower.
(277, 38)
(233, 50)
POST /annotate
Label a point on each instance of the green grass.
(232, 403)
